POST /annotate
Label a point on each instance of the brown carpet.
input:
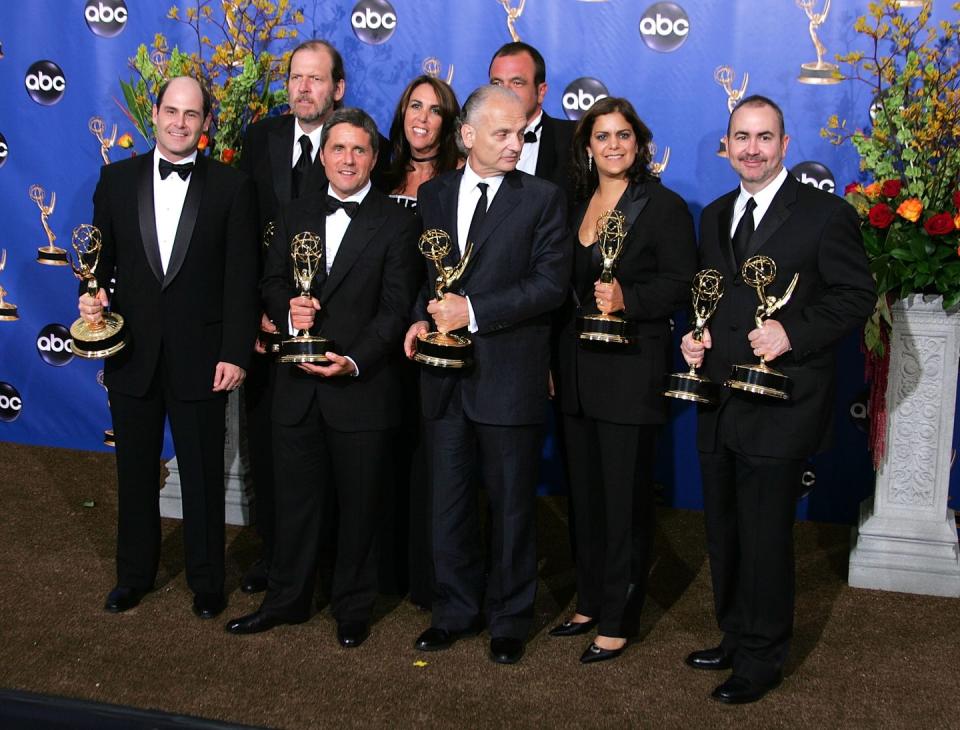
(860, 658)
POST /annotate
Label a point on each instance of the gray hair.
(476, 103)
(355, 118)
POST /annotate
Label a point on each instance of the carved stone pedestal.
(238, 486)
(907, 538)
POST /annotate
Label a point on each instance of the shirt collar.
(314, 136)
(534, 124)
(470, 180)
(356, 197)
(192, 157)
(763, 197)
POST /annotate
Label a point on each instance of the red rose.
(227, 155)
(956, 200)
(891, 188)
(880, 216)
(939, 225)
(853, 187)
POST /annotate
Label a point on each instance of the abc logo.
(45, 82)
(664, 27)
(54, 345)
(105, 18)
(581, 94)
(373, 21)
(813, 173)
(4, 150)
(860, 411)
(10, 403)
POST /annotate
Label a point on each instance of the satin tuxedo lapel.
(632, 203)
(188, 219)
(506, 199)
(359, 233)
(146, 215)
(776, 215)
(723, 233)
(448, 210)
(547, 154)
(280, 144)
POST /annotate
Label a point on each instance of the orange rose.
(911, 208)
(125, 141)
(227, 156)
(204, 141)
(956, 221)
(872, 190)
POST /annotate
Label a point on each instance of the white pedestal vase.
(907, 538)
(238, 486)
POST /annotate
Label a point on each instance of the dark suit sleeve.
(848, 289)
(277, 287)
(675, 247)
(543, 287)
(240, 306)
(402, 273)
(103, 220)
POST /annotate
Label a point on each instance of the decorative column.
(907, 538)
(238, 486)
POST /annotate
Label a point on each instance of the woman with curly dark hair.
(611, 394)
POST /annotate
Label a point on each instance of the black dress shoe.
(123, 598)
(253, 623)
(572, 628)
(437, 639)
(209, 605)
(506, 650)
(596, 653)
(255, 579)
(352, 634)
(740, 690)
(716, 658)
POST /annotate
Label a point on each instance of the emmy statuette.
(108, 336)
(8, 310)
(270, 341)
(759, 272)
(608, 328)
(443, 349)
(49, 255)
(307, 253)
(819, 71)
(707, 290)
(97, 128)
(724, 76)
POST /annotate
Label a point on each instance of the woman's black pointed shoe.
(573, 628)
(596, 654)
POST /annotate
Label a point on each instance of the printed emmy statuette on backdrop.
(307, 253)
(608, 328)
(50, 255)
(707, 290)
(724, 76)
(108, 438)
(270, 341)
(108, 336)
(443, 349)
(97, 128)
(820, 71)
(8, 310)
(759, 272)
(513, 14)
(432, 67)
(658, 168)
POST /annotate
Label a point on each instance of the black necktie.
(741, 236)
(479, 213)
(349, 206)
(530, 136)
(302, 168)
(183, 169)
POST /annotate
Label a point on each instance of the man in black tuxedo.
(332, 423)
(519, 67)
(279, 153)
(178, 237)
(752, 447)
(486, 420)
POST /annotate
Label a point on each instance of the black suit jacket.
(517, 276)
(815, 234)
(624, 384)
(204, 309)
(553, 158)
(365, 303)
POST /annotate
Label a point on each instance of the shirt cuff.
(290, 328)
(356, 370)
(472, 327)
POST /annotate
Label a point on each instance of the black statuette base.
(685, 386)
(761, 380)
(311, 348)
(605, 328)
(444, 350)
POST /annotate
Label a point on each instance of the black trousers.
(258, 398)
(506, 457)
(611, 492)
(312, 460)
(750, 504)
(198, 429)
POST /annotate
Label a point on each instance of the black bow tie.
(183, 170)
(349, 206)
(530, 136)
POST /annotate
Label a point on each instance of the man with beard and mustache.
(280, 154)
(753, 448)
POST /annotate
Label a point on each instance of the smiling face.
(422, 121)
(179, 119)
(347, 158)
(755, 145)
(310, 87)
(613, 145)
(495, 139)
(517, 73)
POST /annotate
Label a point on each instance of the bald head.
(491, 130)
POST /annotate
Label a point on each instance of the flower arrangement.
(239, 69)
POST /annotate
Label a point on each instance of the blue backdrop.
(661, 55)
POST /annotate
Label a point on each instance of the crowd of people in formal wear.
(202, 258)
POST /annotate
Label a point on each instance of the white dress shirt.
(168, 197)
(762, 199)
(314, 140)
(531, 150)
(467, 199)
